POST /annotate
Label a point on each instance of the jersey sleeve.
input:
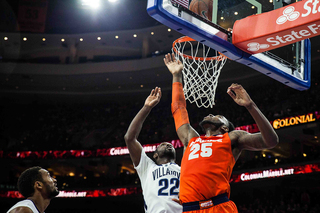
(144, 164)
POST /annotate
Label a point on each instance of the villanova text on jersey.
(163, 171)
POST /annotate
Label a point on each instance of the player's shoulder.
(236, 134)
(21, 209)
(174, 165)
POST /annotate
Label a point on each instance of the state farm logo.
(288, 15)
(255, 46)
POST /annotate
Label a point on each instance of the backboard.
(290, 65)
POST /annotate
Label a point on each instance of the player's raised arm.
(178, 106)
(131, 137)
(267, 138)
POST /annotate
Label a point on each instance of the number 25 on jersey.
(203, 150)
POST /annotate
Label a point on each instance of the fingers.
(232, 90)
(235, 86)
(156, 92)
(159, 94)
(176, 200)
(231, 93)
(169, 58)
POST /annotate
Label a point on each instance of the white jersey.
(160, 183)
(25, 203)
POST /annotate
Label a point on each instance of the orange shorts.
(217, 204)
(227, 207)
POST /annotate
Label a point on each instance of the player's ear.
(155, 156)
(225, 128)
(38, 184)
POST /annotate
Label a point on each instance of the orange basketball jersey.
(206, 168)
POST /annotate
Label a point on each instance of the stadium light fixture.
(95, 4)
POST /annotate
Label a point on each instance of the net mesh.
(202, 67)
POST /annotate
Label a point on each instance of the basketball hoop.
(200, 72)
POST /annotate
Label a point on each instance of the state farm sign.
(277, 28)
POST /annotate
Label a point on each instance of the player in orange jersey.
(208, 160)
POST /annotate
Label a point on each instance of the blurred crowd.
(78, 126)
(291, 201)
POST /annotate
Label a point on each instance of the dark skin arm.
(241, 140)
(21, 210)
(265, 139)
(131, 137)
(185, 132)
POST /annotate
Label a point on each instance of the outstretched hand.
(173, 65)
(154, 98)
(239, 95)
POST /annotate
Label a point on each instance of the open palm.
(154, 98)
(173, 65)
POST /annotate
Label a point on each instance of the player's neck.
(164, 161)
(210, 132)
(40, 202)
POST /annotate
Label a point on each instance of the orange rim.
(185, 39)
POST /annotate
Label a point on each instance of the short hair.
(27, 179)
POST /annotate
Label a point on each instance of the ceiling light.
(99, 38)
(152, 33)
(5, 38)
(252, 7)
(141, 85)
(43, 39)
(304, 155)
(25, 39)
(135, 35)
(116, 37)
(236, 13)
(81, 39)
(62, 40)
(91, 3)
(169, 30)
(221, 18)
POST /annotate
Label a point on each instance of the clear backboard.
(290, 64)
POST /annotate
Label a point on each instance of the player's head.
(165, 150)
(37, 178)
(216, 122)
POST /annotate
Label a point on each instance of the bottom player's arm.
(131, 137)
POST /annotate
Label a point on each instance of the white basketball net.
(200, 72)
